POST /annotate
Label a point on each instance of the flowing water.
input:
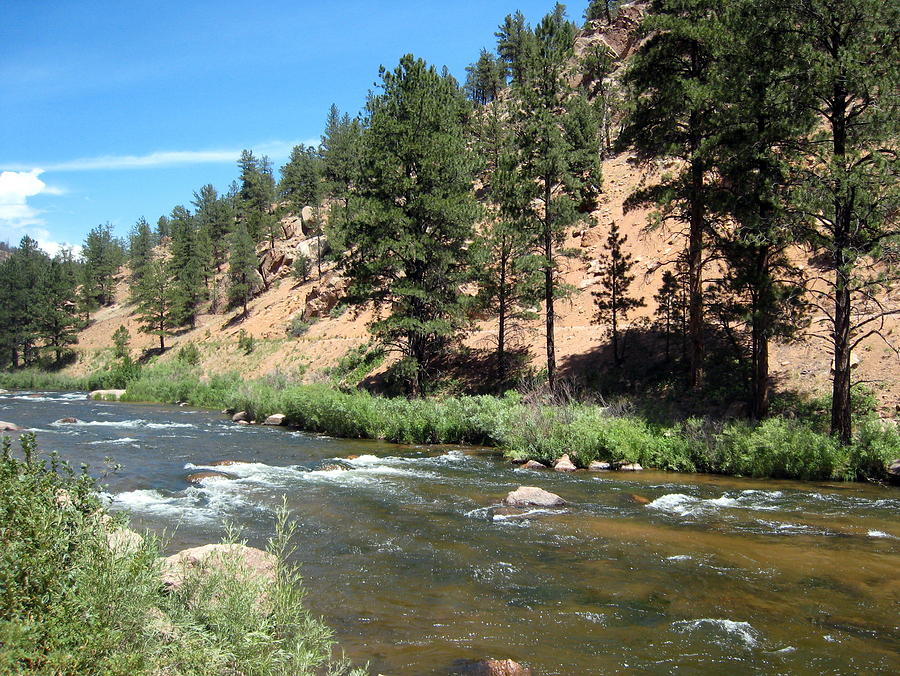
(406, 555)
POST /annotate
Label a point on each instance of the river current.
(405, 553)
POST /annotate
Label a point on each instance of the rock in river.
(197, 477)
(66, 421)
(599, 466)
(240, 416)
(9, 427)
(532, 496)
(893, 471)
(490, 668)
(106, 395)
(275, 419)
(630, 467)
(564, 464)
(534, 464)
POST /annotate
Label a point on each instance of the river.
(405, 555)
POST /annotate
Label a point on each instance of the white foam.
(123, 440)
(125, 424)
(689, 505)
(742, 631)
(524, 515)
(880, 534)
(680, 557)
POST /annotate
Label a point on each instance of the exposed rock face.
(197, 477)
(275, 419)
(599, 466)
(564, 464)
(534, 464)
(250, 562)
(532, 496)
(9, 427)
(630, 467)
(491, 668)
(109, 395)
(324, 296)
(239, 416)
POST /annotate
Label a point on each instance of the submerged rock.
(599, 466)
(197, 477)
(66, 421)
(564, 464)
(248, 562)
(534, 464)
(490, 667)
(630, 467)
(275, 419)
(225, 463)
(9, 427)
(532, 496)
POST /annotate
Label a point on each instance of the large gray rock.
(599, 466)
(630, 467)
(275, 419)
(240, 416)
(534, 464)
(532, 496)
(246, 562)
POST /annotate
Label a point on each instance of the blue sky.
(114, 110)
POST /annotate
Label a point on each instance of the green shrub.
(246, 343)
(188, 354)
(71, 604)
(298, 326)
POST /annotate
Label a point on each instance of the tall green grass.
(72, 604)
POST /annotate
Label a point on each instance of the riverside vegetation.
(526, 426)
(74, 603)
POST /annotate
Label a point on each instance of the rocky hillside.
(582, 344)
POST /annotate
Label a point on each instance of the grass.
(531, 428)
(70, 603)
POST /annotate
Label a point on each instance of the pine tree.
(612, 299)
(515, 42)
(485, 78)
(140, 249)
(155, 311)
(302, 180)
(601, 9)
(341, 149)
(546, 190)
(56, 323)
(241, 267)
(669, 311)
(102, 256)
(849, 186)
(673, 115)
(121, 337)
(414, 213)
(185, 268)
(162, 229)
(214, 223)
(257, 192)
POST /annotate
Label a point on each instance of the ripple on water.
(727, 633)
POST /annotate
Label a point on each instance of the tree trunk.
(695, 275)
(841, 424)
(162, 343)
(761, 319)
(548, 287)
(501, 328)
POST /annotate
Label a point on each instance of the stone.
(599, 466)
(630, 467)
(534, 464)
(243, 422)
(640, 499)
(532, 496)
(9, 427)
(564, 464)
(490, 667)
(66, 421)
(124, 541)
(197, 477)
(251, 563)
(275, 419)
(4, 391)
(893, 471)
(240, 416)
(106, 395)
(222, 463)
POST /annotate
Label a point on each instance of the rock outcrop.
(324, 296)
(532, 496)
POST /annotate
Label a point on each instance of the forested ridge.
(761, 136)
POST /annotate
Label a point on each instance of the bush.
(246, 343)
(70, 604)
(188, 354)
(298, 326)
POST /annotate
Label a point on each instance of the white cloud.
(17, 217)
(169, 158)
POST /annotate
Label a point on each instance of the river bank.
(524, 429)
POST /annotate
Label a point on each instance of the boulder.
(9, 427)
(239, 416)
(640, 499)
(532, 496)
(534, 464)
(106, 395)
(124, 541)
(599, 466)
(275, 419)
(893, 471)
(197, 477)
(2, 391)
(251, 563)
(630, 467)
(490, 667)
(323, 297)
(243, 422)
(66, 421)
(564, 464)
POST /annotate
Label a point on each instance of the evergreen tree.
(102, 256)
(140, 249)
(515, 42)
(121, 337)
(341, 148)
(669, 310)
(414, 213)
(301, 180)
(601, 9)
(612, 299)
(214, 222)
(673, 115)
(848, 177)
(155, 311)
(597, 65)
(162, 228)
(56, 322)
(257, 192)
(543, 198)
(241, 267)
(185, 268)
(485, 78)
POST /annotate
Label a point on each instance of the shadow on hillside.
(150, 353)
